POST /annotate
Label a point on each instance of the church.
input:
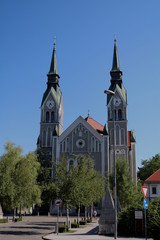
(86, 135)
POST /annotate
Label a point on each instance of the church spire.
(53, 67)
(53, 76)
(115, 64)
(115, 72)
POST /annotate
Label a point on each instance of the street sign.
(138, 214)
(57, 202)
(145, 191)
(145, 204)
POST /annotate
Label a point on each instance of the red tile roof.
(96, 125)
(155, 177)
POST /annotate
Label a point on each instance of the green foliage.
(89, 220)
(126, 222)
(18, 219)
(126, 188)
(62, 228)
(149, 167)
(82, 222)
(153, 219)
(79, 185)
(4, 220)
(45, 181)
(89, 184)
(18, 174)
(74, 225)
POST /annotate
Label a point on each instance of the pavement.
(89, 232)
(43, 227)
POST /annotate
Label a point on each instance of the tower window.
(119, 114)
(117, 135)
(44, 138)
(48, 137)
(52, 117)
(114, 115)
(47, 117)
(122, 137)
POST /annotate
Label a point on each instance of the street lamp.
(109, 92)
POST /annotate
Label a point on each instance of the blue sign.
(145, 204)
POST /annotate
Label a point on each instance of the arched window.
(52, 117)
(117, 134)
(48, 137)
(68, 148)
(112, 136)
(119, 114)
(47, 117)
(115, 115)
(44, 138)
(122, 137)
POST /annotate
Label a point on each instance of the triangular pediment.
(80, 121)
(119, 92)
(51, 94)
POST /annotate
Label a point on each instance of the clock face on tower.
(50, 104)
(117, 101)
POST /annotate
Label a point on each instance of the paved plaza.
(43, 227)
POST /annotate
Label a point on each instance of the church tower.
(51, 123)
(117, 112)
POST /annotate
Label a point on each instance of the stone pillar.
(107, 217)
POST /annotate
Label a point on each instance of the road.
(31, 228)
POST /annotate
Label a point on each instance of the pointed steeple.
(53, 76)
(115, 64)
(115, 72)
(53, 67)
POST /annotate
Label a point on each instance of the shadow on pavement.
(19, 233)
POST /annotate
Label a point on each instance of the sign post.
(57, 203)
(145, 206)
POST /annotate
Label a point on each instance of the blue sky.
(84, 33)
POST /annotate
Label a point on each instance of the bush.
(74, 225)
(4, 220)
(18, 219)
(89, 220)
(153, 219)
(82, 222)
(62, 228)
(126, 223)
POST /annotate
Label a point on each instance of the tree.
(18, 174)
(149, 167)
(45, 180)
(27, 189)
(79, 185)
(126, 188)
(89, 184)
(153, 219)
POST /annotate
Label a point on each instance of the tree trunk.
(20, 211)
(14, 213)
(67, 217)
(78, 213)
(91, 211)
(85, 212)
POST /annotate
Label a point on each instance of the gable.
(77, 125)
(51, 94)
(155, 177)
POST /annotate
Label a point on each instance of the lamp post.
(109, 92)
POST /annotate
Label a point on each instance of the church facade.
(86, 135)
